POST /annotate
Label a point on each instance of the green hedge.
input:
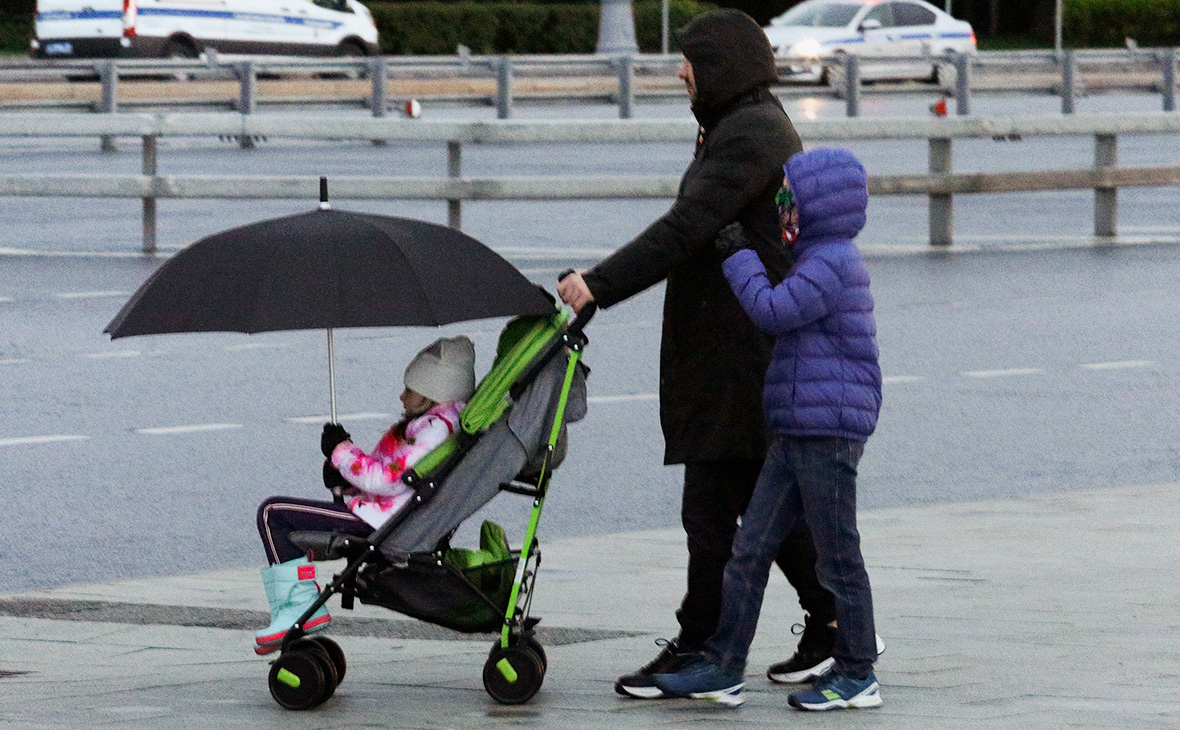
(1108, 23)
(495, 27)
(15, 31)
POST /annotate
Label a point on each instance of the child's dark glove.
(731, 240)
(333, 479)
(333, 435)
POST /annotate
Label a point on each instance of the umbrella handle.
(332, 372)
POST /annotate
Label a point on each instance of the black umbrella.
(326, 269)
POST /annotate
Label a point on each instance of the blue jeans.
(813, 479)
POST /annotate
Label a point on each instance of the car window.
(911, 14)
(818, 15)
(340, 5)
(883, 14)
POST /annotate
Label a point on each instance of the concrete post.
(454, 171)
(248, 96)
(1106, 200)
(109, 77)
(851, 85)
(1069, 70)
(941, 204)
(962, 84)
(1170, 80)
(149, 203)
(377, 73)
(626, 68)
(504, 88)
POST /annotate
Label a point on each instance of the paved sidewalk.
(1050, 612)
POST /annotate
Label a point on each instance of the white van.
(185, 28)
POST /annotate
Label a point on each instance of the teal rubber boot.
(290, 590)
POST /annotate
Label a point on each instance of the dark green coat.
(712, 359)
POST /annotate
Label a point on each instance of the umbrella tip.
(324, 205)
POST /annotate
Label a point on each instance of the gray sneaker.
(670, 660)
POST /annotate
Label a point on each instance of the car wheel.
(180, 48)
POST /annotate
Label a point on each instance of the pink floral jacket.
(378, 492)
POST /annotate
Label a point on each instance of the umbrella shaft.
(332, 372)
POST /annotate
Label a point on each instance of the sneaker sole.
(640, 693)
(869, 698)
(805, 675)
(730, 697)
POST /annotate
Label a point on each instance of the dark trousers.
(716, 493)
(278, 517)
(808, 481)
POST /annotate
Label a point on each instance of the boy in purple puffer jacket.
(822, 395)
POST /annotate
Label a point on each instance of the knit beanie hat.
(444, 371)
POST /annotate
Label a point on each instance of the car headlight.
(808, 48)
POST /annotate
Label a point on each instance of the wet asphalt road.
(1007, 372)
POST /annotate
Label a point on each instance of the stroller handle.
(584, 316)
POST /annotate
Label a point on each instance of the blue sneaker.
(837, 692)
(702, 680)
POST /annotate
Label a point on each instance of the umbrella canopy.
(327, 269)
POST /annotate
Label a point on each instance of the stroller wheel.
(535, 647)
(321, 654)
(335, 654)
(512, 676)
(297, 680)
(526, 642)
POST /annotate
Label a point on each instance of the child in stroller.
(511, 438)
(438, 382)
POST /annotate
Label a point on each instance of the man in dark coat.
(712, 358)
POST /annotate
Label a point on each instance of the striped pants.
(278, 517)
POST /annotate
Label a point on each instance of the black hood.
(730, 56)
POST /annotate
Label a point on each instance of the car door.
(913, 34)
(876, 27)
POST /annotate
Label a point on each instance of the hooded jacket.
(712, 358)
(824, 379)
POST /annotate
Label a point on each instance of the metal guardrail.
(1068, 74)
(939, 184)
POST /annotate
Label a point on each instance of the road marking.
(6, 300)
(91, 294)
(1118, 365)
(13, 361)
(110, 355)
(21, 441)
(169, 430)
(894, 379)
(622, 398)
(1011, 372)
(340, 418)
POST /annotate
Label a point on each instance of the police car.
(892, 33)
(185, 28)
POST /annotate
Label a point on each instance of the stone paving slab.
(1050, 612)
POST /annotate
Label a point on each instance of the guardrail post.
(941, 204)
(149, 202)
(962, 84)
(1106, 200)
(1170, 80)
(504, 87)
(380, 99)
(851, 85)
(248, 98)
(454, 171)
(108, 75)
(1069, 68)
(626, 90)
